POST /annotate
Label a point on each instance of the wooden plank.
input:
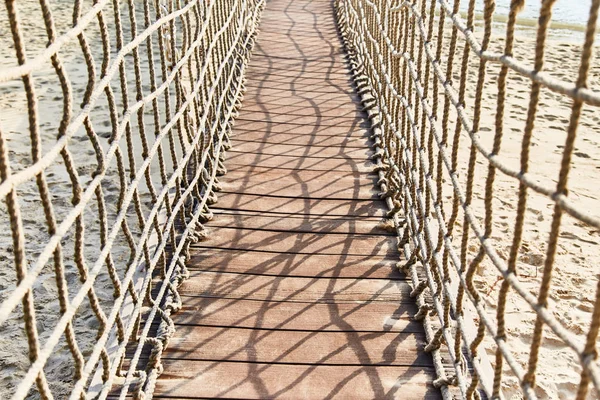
(300, 242)
(302, 151)
(278, 101)
(278, 288)
(303, 110)
(282, 43)
(343, 317)
(320, 93)
(263, 71)
(300, 7)
(318, 24)
(298, 347)
(308, 130)
(316, 9)
(298, 265)
(299, 67)
(352, 178)
(283, 93)
(299, 62)
(206, 379)
(268, 39)
(287, 51)
(319, 21)
(282, 204)
(301, 223)
(312, 132)
(280, 79)
(304, 140)
(277, 78)
(299, 88)
(266, 118)
(249, 161)
(305, 31)
(307, 47)
(343, 188)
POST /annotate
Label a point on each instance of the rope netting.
(427, 78)
(116, 119)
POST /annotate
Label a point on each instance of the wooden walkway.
(295, 294)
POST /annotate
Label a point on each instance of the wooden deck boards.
(295, 293)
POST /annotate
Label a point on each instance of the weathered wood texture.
(295, 293)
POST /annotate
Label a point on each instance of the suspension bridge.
(264, 201)
(295, 293)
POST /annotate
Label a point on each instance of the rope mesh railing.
(116, 119)
(422, 72)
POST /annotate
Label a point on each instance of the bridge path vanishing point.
(295, 294)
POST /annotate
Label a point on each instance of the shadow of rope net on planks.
(440, 92)
(116, 116)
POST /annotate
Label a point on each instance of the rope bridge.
(135, 139)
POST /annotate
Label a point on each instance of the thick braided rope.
(187, 63)
(391, 50)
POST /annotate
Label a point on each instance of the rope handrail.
(395, 53)
(148, 214)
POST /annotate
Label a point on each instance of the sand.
(575, 274)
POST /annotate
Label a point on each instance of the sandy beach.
(575, 275)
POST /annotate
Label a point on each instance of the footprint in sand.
(581, 155)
